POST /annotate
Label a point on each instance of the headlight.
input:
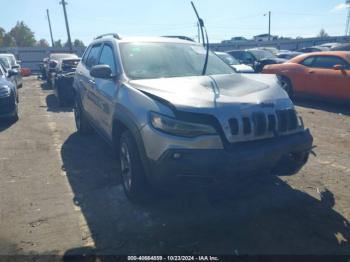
(300, 120)
(179, 128)
(5, 91)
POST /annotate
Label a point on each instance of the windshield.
(228, 59)
(5, 62)
(262, 54)
(162, 60)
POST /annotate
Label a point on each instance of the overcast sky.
(223, 18)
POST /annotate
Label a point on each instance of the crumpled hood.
(215, 91)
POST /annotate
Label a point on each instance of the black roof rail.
(115, 35)
(179, 37)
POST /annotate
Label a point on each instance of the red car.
(320, 74)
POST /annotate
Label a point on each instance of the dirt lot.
(60, 194)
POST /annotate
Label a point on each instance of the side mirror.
(338, 67)
(101, 71)
(53, 64)
(12, 72)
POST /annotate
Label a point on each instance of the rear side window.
(329, 62)
(92, 58)
(107, 58)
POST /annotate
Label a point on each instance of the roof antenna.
(205, 38)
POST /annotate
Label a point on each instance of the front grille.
(234, 126)
(260, 123)
(272, 123)
(247, 127)
(287, 120)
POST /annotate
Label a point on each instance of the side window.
(92, 58)
(308, 61)
(85, 55)
(107, 58)
(249, 57)
(328, 62)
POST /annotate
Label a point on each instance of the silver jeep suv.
(150, 100)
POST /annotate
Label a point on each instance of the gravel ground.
(60, 194)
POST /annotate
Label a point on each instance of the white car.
(233, 62)
(14, 65)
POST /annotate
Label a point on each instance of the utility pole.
(63, 3)
(269, 25)
(269, 14)
(48, 18)
(347, 29)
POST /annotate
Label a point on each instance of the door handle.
(311, 72)
(92, 82)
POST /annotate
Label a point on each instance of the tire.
(60, 99)
(15, 117)
(292, 164)
(82, 124)
(286, 84)
(135, 184)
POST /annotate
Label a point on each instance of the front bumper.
(242, 158)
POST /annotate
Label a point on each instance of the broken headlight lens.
(176, 127)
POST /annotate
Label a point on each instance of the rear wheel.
(82, 124)
(286, 84)
(135, 184)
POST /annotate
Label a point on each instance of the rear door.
(106, 90)
(328, 82)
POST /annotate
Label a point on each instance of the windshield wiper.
(204, 39)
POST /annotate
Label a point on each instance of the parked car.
(331, 45)
(313, 49)
(8, 97)
(231, 61)
(265, 38)
(62, 81)
(256, 58)
(53, 62)
(270, 49)
(26, 71)
(285, 54)
(343, 47)
(14, 65)
(15, 75)
(149, 98)
(323, 74)
(10, 74)
(44, 68)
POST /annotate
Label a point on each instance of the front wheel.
(82, 124)
(133, 176)
(286, 84)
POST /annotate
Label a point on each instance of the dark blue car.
(8, 98)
